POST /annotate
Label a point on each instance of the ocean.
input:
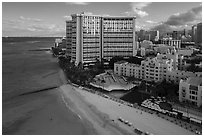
(25, 70)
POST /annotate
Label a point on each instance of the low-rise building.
(60, 42)
(185, 52)
(170, 42)
(127, 69)
(176, 75)
(190, 90)
(154, 69)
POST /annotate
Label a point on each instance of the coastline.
(103, 113)
(100, 122)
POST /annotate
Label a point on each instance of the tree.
(113, 60)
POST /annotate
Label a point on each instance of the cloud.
(29, 19)
(180, 21)
(151, 22)
(77, 3)
(186, 17)
(137, 9)
(163, 28)
(30, 27)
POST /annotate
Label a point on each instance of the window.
(193, 92)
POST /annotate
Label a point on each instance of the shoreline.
(89, 105)
(100, 122)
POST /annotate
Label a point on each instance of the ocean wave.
(66, 104)
(32, 42)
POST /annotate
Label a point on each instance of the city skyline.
(39, 19)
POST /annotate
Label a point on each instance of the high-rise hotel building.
(92, 37)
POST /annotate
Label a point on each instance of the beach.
(103, 113)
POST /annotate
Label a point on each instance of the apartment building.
(124, 68)
(69, 37)
(151, 69)
(118, 37)
(154, 69)
(93, 37)
(190, 90)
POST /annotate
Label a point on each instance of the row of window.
(193, 92)
(193, 97)
(114, 41)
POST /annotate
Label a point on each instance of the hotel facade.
(93, 37)
(162, 67)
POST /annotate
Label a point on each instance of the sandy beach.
(103, 113)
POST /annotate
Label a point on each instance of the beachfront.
(103, 113)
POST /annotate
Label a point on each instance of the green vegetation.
(134, 60)
(56, 51)
(78, 75)
(194, 68)
(165, 89)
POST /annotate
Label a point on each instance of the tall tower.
(194, 33)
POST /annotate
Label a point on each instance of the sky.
(48, 18)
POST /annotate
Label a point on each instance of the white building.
(146, 44)
(94, 37)
(185, 52)
(127, 69)
(191, 90)
(155, 69)
(174, 43)
(162, 48)
(142, 52)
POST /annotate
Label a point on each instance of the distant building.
(162, 48)
(199, 33)
(194, 33)
(185, 52)
(174, 43)
(147, 36)
(146, 44)
(60, 42)
(175, 35)
(154, 35)
(141, 35)
(176, 75)
(92, 37)
(143, 52)
(190, 90)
